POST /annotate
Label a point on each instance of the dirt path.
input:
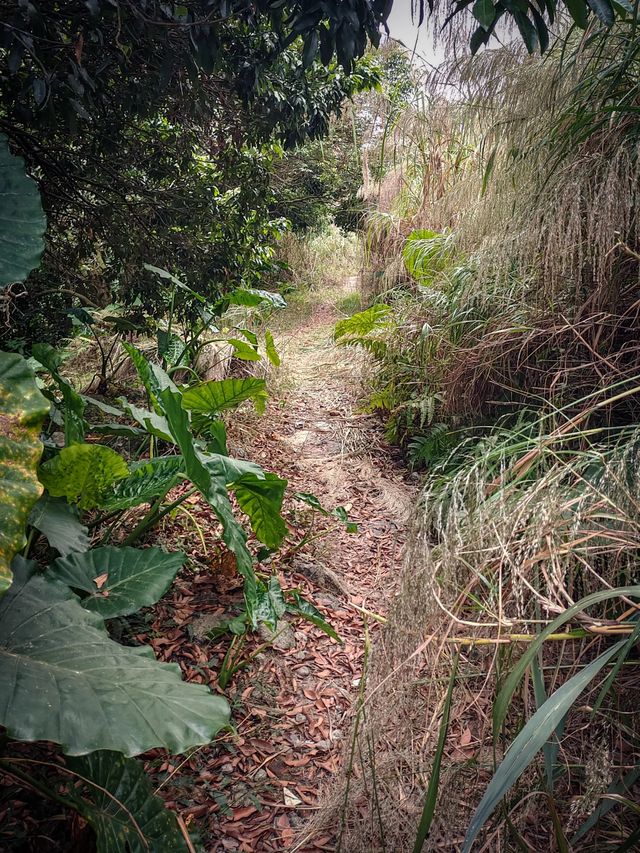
(293, 704)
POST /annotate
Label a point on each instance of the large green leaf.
(83, 474)
(118, 581)
(261, 499)
(22, 220)
(62, 679)
(207, 473)
(22, 410)
(362, 323)
(271, 604)
(531, 739)
(59, 522)
(216, 395)
(252, 297)
(147, 481)
(229, 468)
(117, 800)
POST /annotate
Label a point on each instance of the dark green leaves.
(62, 679)
(208, 476)
(118, 581)
(22, 410)
(483, 12)
(73, 404)
(117, 799)
(579, 11)
(301, 607)
(527, 31)
(603, 11)
(270, 349)
(22, 220)
(60, 524)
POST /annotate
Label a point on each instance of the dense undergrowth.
(171, 174)
(503, 250)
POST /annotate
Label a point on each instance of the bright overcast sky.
(404, 29)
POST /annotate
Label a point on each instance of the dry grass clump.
(532, 173)
(495, 550)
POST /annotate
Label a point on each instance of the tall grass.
(504, 239)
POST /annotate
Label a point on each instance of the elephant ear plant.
(62, 678)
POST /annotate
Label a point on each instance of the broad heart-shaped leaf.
(22, 410)
(531, 739)
(207, 473)
(147, 481)
(261, 499)
(64, 680)
(59, 522)
(118, 581)
(121, 807)
(22, 220)
(83, 474)
(216, 395)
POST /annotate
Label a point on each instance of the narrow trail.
(317, 440)
(293, 704)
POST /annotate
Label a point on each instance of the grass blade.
(503, 700)
(531, 739)
(432, 791)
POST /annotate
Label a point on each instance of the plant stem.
(35, 784)
(155, 515)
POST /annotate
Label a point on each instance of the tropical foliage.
(153, 158)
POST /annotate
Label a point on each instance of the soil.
(293, 703)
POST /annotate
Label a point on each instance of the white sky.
(405, 30)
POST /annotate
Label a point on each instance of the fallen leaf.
(101, 580)
(290, 799)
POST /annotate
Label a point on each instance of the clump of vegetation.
(152, 159)
(503, 250)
